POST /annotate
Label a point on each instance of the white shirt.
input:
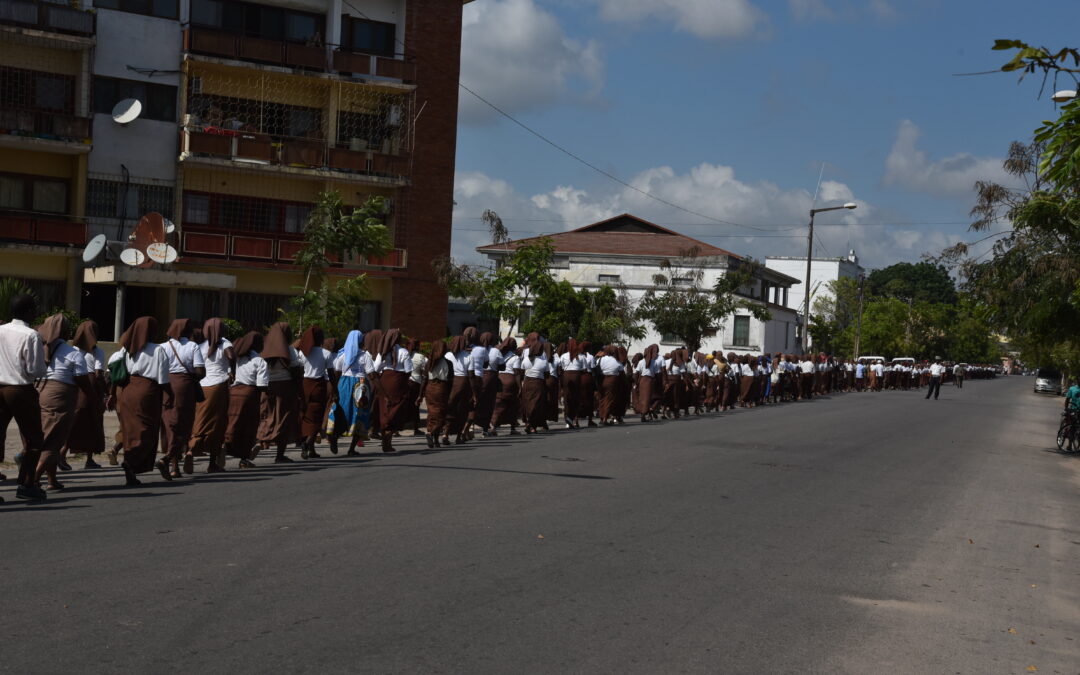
(22, 354)
(315, 363)
(190, 356)
(419, 366)
(860, 372)
(151, 362)
(609, 365)
(363, 366)
(217, 365)
(67, 364)
(571, 363)
(494, 359)
(479, 357)
(403, 360)
(879, 369)
(462, 362)
(95, 360)
(251, 370)
(441, 370)
(279, 372)
(936, 370)
(807, 367)
(535, 367)
(511, 363)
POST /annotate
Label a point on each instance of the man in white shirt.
(936, 371)
(22, 360)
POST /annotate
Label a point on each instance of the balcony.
(69, 133)
(47, 16)
(330, 59)
(270, 248)
(33, 229)
(312, 157)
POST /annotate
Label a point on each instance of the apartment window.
(196, 209)
(158, 100)
(251, 214)
(22, 89)
(275, 119)
(198, 305)
(741, 336)
(369, 315)
(296, 217)
(117, 199)
(257, 311)
(258, 21)
(33, 193)
(165, 9)
(609, 278)
(683, 281)
(669, 339)
(370, 37)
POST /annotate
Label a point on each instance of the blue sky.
(730, 107)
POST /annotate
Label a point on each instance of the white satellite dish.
(170, 254)
(158, 251)
(94, 249)
(132, 256)
(126, 111)
(170, 227)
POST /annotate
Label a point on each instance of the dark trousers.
(21, 403)
(935, 387)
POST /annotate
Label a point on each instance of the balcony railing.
(33, 229)
(268, 247)
(329, 59)
(42, 124)
(48, 16)
(302, 153)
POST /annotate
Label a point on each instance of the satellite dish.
(170, 254)
(126, 111)
(169, 226)
(149, 230)
(158, 252)
(132, 256)
(94, 249)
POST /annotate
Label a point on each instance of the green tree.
(918, 282)
(336, 231)
(9, 288)
(678, 304)
(602, 316)
(832, 324)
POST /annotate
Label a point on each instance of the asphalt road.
(856, 533)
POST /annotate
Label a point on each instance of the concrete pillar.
(73, 287)
(118, 315)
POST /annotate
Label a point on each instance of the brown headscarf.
(213, 330)
(651, 352)
(584, 347)
(331, 345)
(311, 338)
(549, 352)
(621, 354)
(86, 335)
(637, 358)
(571, 347)
(138, 334)
(508, 343)
(487, 339)
(470, 335)
(389, 340)
(532, 343)
(457, 344)
(276, 344)
(52, 332)
(412, 345)
(372, 342)
(438, 351)
(678, 357)
(179, 328)
(250, 342)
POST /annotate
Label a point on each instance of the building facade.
(627, 252)
(822, 271)
(249, 111)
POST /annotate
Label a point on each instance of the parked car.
(1047, 381)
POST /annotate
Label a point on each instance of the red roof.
(622, 235)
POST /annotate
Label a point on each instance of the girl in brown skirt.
(392, 394)
(138, 402)
(212, 413)
(435, 391)
(87, 433)
(587, 385)
(316, 362)
(462, 399)
(536, 366)
(280, 423)
(249, 381)
(611, 376)
(648, 370)
(372, 342)
(58, 394)
(507, 398)
(186, 368)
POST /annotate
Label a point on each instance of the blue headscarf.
(351, 350)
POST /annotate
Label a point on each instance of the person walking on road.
(936, 372)
(22, 360)
(958, 372)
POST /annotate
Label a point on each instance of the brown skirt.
(489, 390)
(280, 414)
(507, 401)
(437, 396)
(139, 410)
(211, 419)
(644, 401)
(586, 394)
(57, 401)
(551, 406)
(393, 400)
(313, 407)
(458, 404)
(242, 428)
(88, 430)
(571, 391)
(412, 415)
(178, 414)
(534, 401)
(609, 397)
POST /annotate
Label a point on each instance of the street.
(854, 533)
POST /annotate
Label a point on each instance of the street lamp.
(809, 259)
(1064, 96)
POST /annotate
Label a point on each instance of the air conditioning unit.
(196, 85)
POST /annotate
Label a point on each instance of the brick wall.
(433, 38)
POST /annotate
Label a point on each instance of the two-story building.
(626, 253)
(249, 110)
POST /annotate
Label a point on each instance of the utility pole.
(858, 317)
(809, 261)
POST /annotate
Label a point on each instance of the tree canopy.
(914, 282)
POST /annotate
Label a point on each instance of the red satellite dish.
(150, 230)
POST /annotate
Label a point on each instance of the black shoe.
(163, 468)
(31, 493)
(312, 454)
(352, 453)
(247, 464)
(430, 441)
(304, 453)
(63, 465)
(91, 464)
(283, 460)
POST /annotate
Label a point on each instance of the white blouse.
(279, 372)
(251, 370)
(511, 363)
(462, 362)
(95, 360)
(362, 368)
(217, 365)
(67, 364)
(535, 367)
(189, 353)
(151, 362)
(609, 365)
(315, 363)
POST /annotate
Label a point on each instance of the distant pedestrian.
(958, 372)
(936, 372)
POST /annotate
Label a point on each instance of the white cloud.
(518, 56)
(849, 10)
(710, 189)
(952, 176)
(883, 9)
(809, 10)
(703, 18)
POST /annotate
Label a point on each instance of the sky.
(733, 109)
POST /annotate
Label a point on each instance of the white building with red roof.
(627, 252)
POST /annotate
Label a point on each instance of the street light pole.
(809, 261)
(858, 318)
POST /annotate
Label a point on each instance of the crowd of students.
(199, 394)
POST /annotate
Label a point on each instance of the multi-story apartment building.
(249, 111)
